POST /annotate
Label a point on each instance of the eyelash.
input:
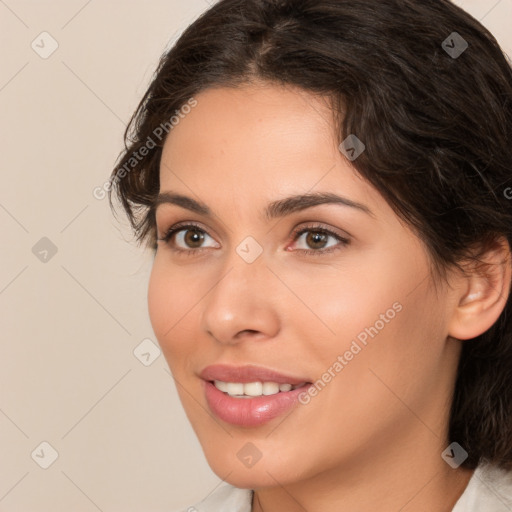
(316, 228)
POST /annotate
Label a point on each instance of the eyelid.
(319, 226)
(181, 224)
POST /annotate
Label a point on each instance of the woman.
(326, 188)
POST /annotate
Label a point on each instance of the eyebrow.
(275, 209)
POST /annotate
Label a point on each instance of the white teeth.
(253, 389)
(250, 389)
(270, 388)
(222, 386)
(234, 388)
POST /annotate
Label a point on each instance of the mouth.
(250, 396)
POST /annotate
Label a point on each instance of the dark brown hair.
(435, 117)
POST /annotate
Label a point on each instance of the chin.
(230, 466)
(247, 478)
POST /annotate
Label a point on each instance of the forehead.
(255, 141)
(250, 117)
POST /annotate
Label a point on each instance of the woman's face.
(354, 313)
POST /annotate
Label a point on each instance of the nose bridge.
(239, 299)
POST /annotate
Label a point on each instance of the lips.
(248, 373)
(248, 411)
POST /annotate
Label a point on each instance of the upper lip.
(247, 373)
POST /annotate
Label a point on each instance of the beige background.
(70, 325)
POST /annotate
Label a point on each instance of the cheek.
(343, 302)
(157, 301)
(168, 303)
(390, 351)
(385, 317)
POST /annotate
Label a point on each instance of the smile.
(252, 389)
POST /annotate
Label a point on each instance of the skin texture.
(372, 438)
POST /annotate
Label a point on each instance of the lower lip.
(250, 412)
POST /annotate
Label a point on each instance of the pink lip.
(249, 412)
(248, 373)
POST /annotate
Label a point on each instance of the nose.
(243, 303)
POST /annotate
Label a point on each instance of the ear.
(482, 294)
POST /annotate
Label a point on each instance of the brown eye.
(187, 238)
(316, 240)
(193, 238)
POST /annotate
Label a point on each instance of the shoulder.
(224, 498)
(490, 488)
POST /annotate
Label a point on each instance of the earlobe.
(483, 293)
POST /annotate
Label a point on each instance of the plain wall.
(70, 321)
